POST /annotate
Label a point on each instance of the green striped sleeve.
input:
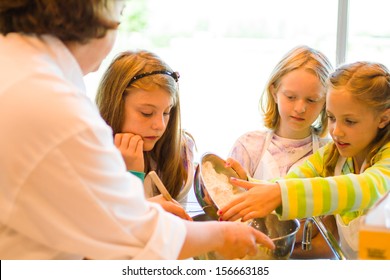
(313, 196)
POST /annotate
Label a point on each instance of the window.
(368, 31)
(224, 51)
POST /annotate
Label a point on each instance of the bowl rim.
(295, 221)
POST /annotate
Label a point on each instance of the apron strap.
(315, 142)
(267, 142)
(339, 166)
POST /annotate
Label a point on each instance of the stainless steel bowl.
(282, 233)
(202, 193)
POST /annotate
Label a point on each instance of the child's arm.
(299, 197)
(305, 197)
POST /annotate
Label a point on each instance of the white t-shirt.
(64, 189)
(253, 151)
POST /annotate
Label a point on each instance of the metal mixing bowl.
(282, 233)
(203, 195)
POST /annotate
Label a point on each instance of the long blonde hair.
(300, 57)
(369, 83)
(169, 152)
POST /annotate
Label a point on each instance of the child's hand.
(230, 162)
(261, 199)
(173, 207)
(131, 147)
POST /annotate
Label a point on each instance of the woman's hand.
(261, 199)
(131, 147)
(230, 239)
(173, 207)
(240, 240)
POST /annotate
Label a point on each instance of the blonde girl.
(347, 176)
(293, 105)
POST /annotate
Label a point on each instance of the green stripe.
(326, 197)
(374, 196)
(351, 195)
(301, 193)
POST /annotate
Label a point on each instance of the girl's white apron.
(267, 167)
(349, 234)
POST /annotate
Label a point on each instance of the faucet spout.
(307, 233)
(328, 236)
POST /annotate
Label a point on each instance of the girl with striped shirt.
(345, 177)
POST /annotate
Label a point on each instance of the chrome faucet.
(328, 236)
